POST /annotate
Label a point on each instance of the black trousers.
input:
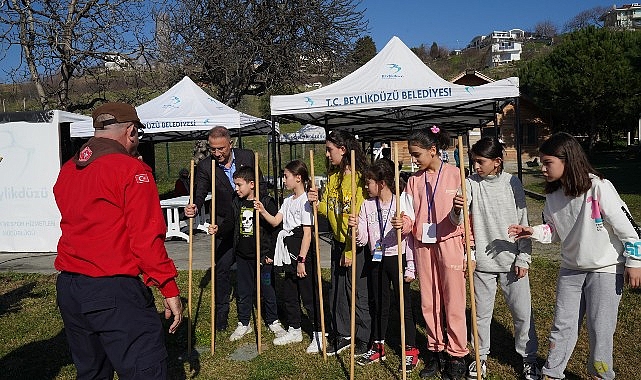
(296, 289)
(246, 291)
(111, 324)
(224, 261)
(384, 274)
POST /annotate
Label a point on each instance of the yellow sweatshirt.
(335, 204)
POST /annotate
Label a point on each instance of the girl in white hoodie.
(599, 250)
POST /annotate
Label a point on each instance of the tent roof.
(308, 133)
(186, 112)
(394, 93)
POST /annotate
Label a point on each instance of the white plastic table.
(174, 224)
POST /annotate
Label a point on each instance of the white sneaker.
(293, 336)
(277, 329)
(315, 346)
(240, 332)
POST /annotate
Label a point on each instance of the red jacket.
(112, 223)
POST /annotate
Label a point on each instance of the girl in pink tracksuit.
(438, 252)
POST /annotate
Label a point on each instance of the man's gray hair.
(219, 131)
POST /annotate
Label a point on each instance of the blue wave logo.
(469, 89)
(394, 67)
(174, 103)
(393, 71)
(309, 101)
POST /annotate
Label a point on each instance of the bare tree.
(545, 29)
(586, 18)
(257, 46)
(60, 40)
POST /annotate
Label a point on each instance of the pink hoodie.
(414, 202)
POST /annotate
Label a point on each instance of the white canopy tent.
(32, 148)
(307, 134)
(186, 112)
(392, 94)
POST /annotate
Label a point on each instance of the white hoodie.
(592, 228)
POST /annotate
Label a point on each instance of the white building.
(504, 47)
(628, 16)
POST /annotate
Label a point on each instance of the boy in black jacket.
(245, 254)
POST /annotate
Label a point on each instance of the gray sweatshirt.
(495, 202)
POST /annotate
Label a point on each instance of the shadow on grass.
(181, 363)
(10, 301)
(42, 359)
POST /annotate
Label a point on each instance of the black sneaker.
(360, 348)
(456, 368)
(339, 345)
(435, 363)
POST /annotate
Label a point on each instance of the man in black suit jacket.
(228, 160)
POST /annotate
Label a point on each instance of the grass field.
(33, 346)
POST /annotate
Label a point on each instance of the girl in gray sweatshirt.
(496, 200)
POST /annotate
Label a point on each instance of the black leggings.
(382, 275)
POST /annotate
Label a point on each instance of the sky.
(453, 24)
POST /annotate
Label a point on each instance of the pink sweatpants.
(441, 273)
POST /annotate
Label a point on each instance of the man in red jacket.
(113, 231)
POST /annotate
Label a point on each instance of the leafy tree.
(60, 40)
(434, 51)
(364, 50)
(258, 46)
(545, 29)
(421, 52)
(588, 17)
(589, 81)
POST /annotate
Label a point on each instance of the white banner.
(29, 217)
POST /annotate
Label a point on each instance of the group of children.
(599, 250)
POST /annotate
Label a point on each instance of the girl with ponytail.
(295, 257)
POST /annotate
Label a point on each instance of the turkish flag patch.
(85, 154)
(142, 178)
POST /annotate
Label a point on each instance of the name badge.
(429, 233)
(377, 255)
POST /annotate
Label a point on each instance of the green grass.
(619, 168)
(33, 344)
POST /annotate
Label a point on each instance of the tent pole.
(278, 176)
(274, 163)
(496, 120)
(240, 138)
(518, 132)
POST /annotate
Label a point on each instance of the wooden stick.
(353, 314)
(257, 235)
(468, 250)
(191, 255)
(213, 259)
(319, 279)
(399, 238)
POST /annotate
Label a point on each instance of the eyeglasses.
(218, 149)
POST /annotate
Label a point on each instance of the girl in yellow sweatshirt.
(335, 204)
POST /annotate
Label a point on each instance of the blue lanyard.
(430, 201)
(380, 217)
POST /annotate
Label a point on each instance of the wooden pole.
(191, 255)
(399, 238)
(353, 309)
(257, 235)
(319, 279)
(213, 259)
(468, 250)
